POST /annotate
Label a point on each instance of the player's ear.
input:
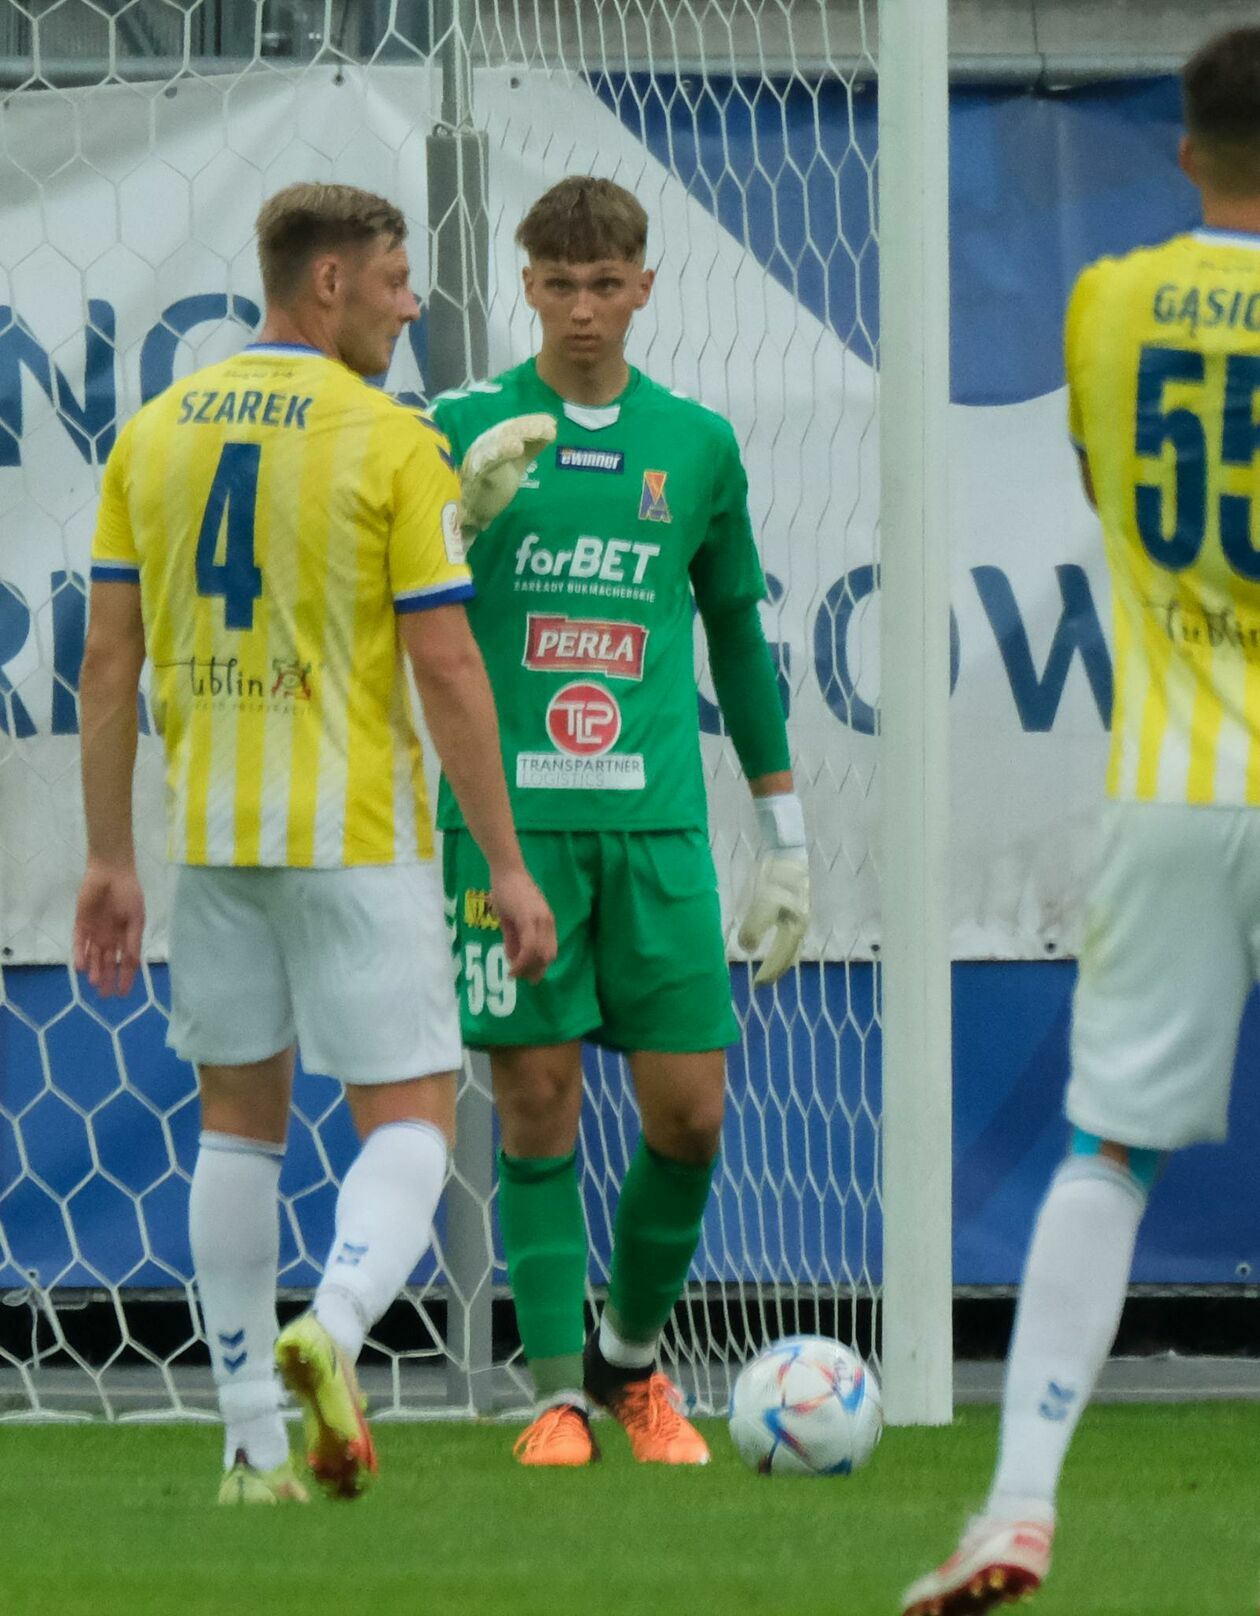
(326, 274)
(647, 279)
(527, 283)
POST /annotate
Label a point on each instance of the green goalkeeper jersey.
(586, 588)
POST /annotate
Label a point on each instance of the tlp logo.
(583, 720)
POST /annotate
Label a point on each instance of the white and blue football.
(806, 1406)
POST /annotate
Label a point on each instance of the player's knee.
(692, 1133)
(538, 1108)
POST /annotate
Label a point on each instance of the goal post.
(914, 708)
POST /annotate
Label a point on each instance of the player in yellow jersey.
(1163, 364)
(278, 535)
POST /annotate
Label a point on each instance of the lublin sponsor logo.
(292, 681)
(584, 645)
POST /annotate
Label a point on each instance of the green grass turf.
(1158, 1518)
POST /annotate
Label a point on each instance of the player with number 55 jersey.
(1163, 373)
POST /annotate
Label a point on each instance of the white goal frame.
(908, 937)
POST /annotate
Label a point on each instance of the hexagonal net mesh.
(138, 140)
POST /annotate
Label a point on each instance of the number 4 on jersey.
(233, 497)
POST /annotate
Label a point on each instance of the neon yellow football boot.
(340, 1450)
(242, 1484)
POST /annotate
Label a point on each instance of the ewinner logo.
(584, 645)
(568, 458)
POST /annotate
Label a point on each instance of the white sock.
(1069, 1310)
(619, 1352)
(384, 1225)
(574, 1396)
(234, 1229)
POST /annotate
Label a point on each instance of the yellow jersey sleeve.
(1075, 328)
(426, 549)
(114, 555)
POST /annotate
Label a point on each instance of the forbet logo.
(583, 719)
(612, 561)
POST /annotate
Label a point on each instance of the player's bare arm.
(459, 708)
(109, 921)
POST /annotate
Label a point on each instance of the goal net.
(136, 144)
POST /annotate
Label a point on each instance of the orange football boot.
(650, 1408)
(561, 1435)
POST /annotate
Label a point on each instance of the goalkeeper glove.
(778, 901)
(494, 465)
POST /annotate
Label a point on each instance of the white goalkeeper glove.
(494, 465)
(778, 899)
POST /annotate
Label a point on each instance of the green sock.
(654, 1239)
(544, 1241)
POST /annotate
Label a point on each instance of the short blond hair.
(584, 219)
(303, 220)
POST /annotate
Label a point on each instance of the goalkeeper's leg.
(538, 1092)
(657, 1230)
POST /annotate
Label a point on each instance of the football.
(806, 1406)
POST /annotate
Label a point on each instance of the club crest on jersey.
(557, 644)
(479, 912)
(653, 506)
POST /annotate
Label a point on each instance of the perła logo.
(583, 719)
(606, 559)
(584, 645)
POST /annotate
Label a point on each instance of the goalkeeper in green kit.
(605, 510)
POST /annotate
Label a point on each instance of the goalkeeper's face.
(585, 309)
(373, 302)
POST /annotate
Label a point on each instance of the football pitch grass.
(1158, 1518)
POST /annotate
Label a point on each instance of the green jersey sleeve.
(728, 582)
(726, 569)
(445, 413)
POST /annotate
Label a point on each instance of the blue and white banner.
(128, 260)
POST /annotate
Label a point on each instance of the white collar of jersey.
(593, 417)
(1228, 238)
(288, 349)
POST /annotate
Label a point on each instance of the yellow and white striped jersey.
(1163, 365)
(277, 513)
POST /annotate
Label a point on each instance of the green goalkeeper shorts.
(641, 961)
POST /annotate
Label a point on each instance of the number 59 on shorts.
(488, 984)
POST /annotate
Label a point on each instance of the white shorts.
(1171, 949)
(354, 963)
